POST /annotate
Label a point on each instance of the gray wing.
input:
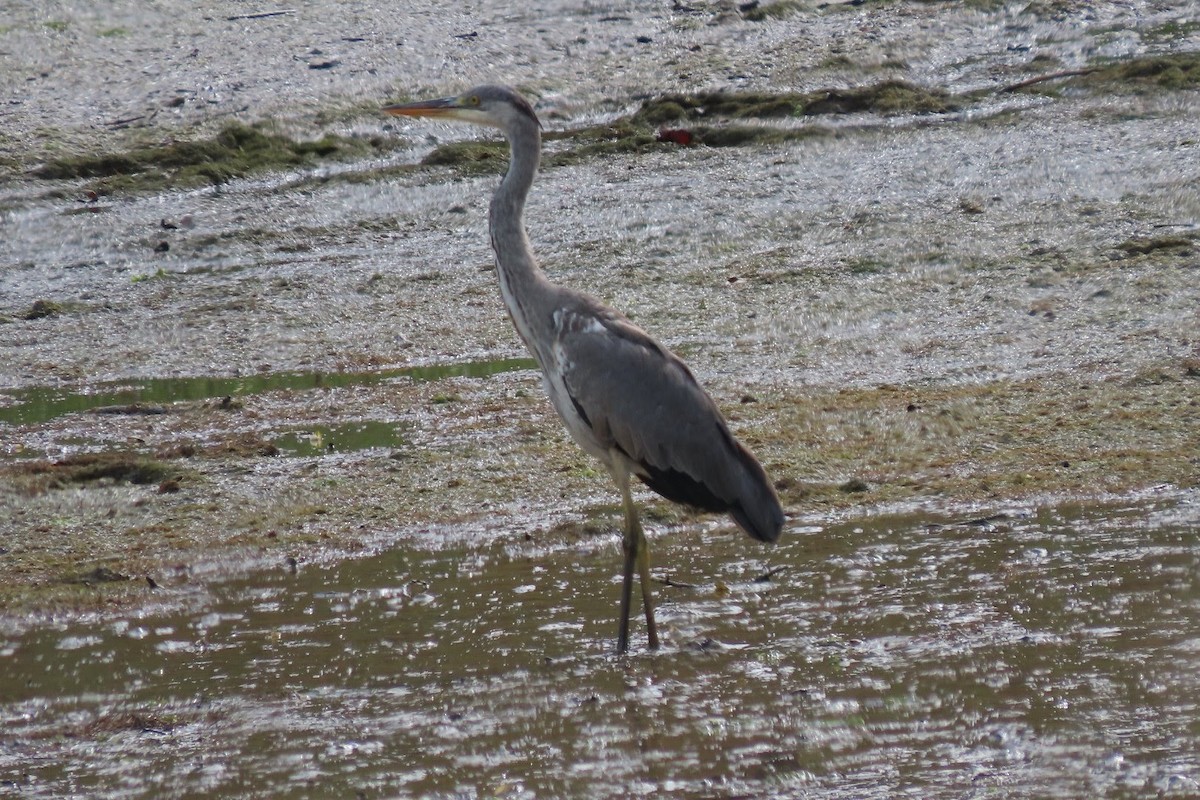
(641, 399)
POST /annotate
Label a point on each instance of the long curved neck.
(522, 284)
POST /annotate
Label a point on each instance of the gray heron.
(624, 398)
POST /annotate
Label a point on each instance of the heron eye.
(474, 100)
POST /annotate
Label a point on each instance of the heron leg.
(643, 562)
(636, 553)
(630, 549)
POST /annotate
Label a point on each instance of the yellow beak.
(464, 108)
(444, 107)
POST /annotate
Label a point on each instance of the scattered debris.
(674, 135)
(1054, 76)
(261, 15)
(769, 574)
(669, 581)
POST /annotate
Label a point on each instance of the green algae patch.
(1170, 72)
(747, 135)
(888, 98)
(1171, 31)
(469, 156)
(91, 468)
(618, 143)
(45, 309)
(593, 141)
(1149, 245)
(729, 105)
(40, 309)
(236, 151)
(715, 119)
(583, 144)
(782, 9)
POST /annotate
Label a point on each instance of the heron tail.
(756, 509)
(743, 491)
(763, 521)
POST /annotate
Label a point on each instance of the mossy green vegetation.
(236, 151)
(978, 5)
(1147, 245)
(1171, 72)
(88, 468)
(746, 135)
(889, 98)
(1051, 9)
(715, 119)
(158, 274)
(780, 9)
(470, 156)
(1171, 31)
(734, 105)
(40, 309)
(718, 118)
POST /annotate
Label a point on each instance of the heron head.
(498, 106)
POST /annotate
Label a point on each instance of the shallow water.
(1046, 651)
(39, 404)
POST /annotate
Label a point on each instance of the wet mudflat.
(285, 511)
(1045, 652)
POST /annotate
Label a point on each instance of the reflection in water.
(1051, 654)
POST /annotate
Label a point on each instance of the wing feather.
(642, 400)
